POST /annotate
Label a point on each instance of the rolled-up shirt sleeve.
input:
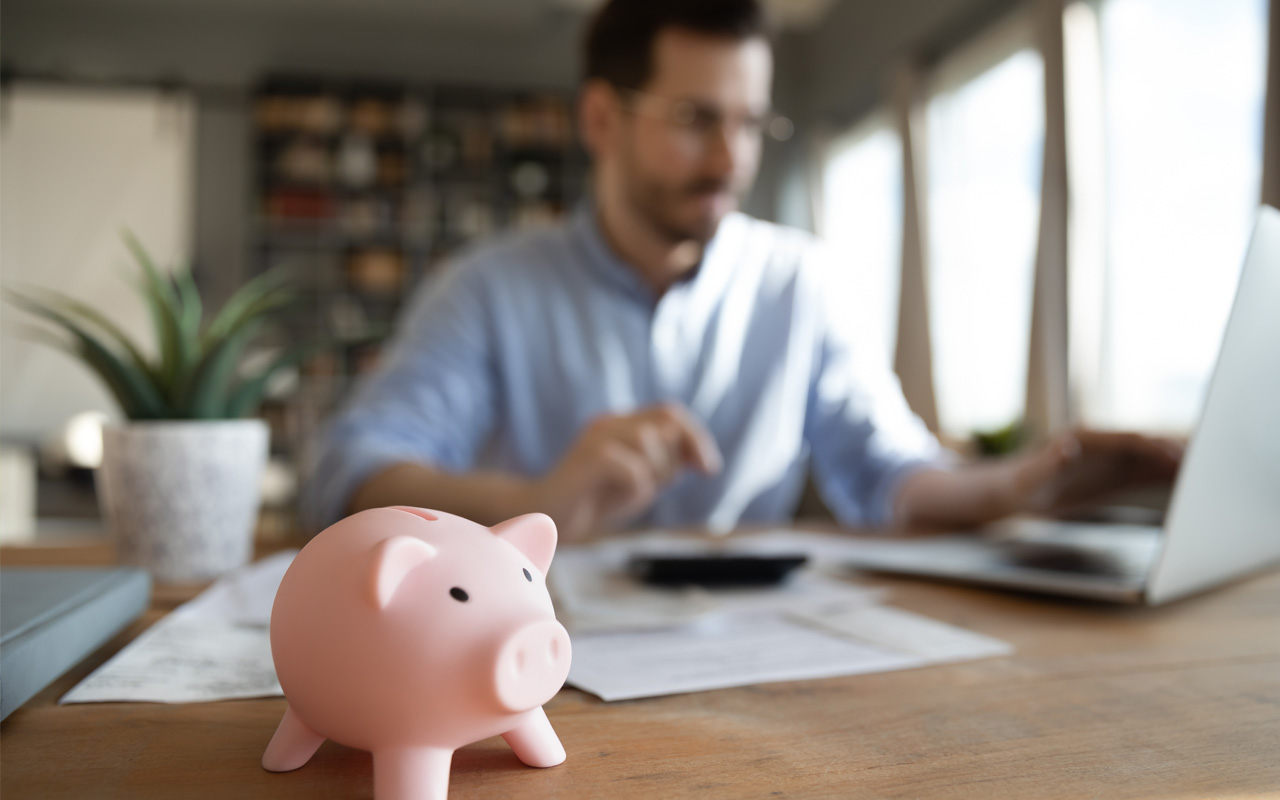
(430, 401)
(863, 437)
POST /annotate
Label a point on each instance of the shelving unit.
(363, 189)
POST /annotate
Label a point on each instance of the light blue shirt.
(502, 360)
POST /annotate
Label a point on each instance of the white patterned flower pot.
(181, 497)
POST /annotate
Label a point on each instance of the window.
(1174, 144)
(985, 133)
(1164, 107)
(862, 221)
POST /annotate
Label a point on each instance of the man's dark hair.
(619, 43)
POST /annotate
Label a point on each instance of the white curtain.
(913, 360)
(1047, 409)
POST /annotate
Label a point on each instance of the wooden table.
(1098, 701)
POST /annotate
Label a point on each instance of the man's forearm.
(963, 497)
(485, 497)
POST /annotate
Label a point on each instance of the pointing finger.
(691, 439)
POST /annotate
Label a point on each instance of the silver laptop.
(1223, 521)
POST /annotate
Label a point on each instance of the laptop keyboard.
(1121, 551)
(1079, 561)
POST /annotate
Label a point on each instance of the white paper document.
(901, 631)
(245, 596)
(743, 650)
(183, 660)
(216, 647)
(732, 652)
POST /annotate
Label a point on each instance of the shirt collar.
(603, 261)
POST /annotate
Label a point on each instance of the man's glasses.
(701, 120)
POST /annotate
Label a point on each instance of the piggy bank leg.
(411, 774)
(534, 741)
(293, 745)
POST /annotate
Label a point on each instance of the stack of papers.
(595, 594)
(629, 640)
(632, 641)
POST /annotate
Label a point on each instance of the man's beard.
(656, 204)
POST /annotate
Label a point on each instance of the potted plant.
(179, 482)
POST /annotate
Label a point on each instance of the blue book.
(51, 618)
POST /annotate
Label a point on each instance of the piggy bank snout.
(533, 664)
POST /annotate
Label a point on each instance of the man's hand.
(1071, 471)
(1086, 467)
(616, 467)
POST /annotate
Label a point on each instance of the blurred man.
(663, 359)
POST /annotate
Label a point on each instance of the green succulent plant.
(195, 372)
(1002, 441)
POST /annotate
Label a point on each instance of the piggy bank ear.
(393, 559)
(532, 534)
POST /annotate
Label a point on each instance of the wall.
(850, 57)
(78, 164)
(232, 43)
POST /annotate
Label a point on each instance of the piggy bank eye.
(527, 576)
(459, 594)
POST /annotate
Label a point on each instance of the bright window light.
(862, 221)
(1183, 85)
(985, 130)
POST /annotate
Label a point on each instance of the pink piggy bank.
(410, 633)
